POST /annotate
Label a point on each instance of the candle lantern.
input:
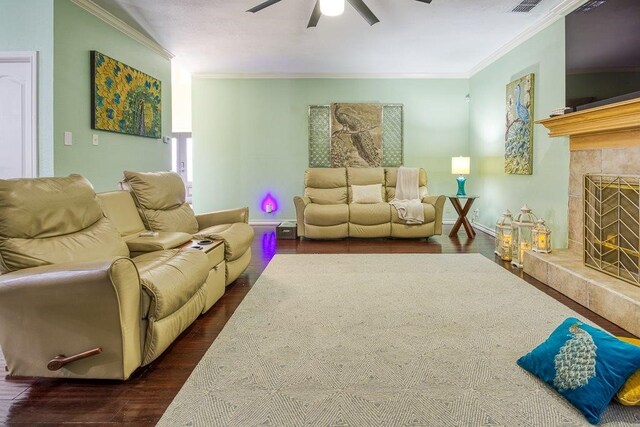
(522, 239)
(504, 230)
(541, 235)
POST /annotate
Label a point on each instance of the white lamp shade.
(332, 7)
(460, 165)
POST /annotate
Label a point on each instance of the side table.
(462, 215)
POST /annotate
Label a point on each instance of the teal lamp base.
(461, 180)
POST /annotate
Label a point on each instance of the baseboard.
(273, 222)
(490, 231)
(269, 221)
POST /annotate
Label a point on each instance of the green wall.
(546, 191)
(76, 33)
(250, 135)
(27, 25)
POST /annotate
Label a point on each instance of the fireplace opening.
(612, 225)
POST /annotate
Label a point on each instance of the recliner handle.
(61, 360)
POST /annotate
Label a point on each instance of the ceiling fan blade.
(364, 11)
(315, 15)
(261, 6)
(424, 1)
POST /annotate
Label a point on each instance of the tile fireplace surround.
(604, 140)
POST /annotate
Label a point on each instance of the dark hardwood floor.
(142, 399)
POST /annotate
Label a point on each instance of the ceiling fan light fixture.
(332, 7)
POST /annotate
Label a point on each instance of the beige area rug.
(381, 340)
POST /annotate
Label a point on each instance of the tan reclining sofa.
(326, 210)
(77, 283)
(160, 198)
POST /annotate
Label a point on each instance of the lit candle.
(542, 241)
(506, 247)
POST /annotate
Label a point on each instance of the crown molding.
(552, 16)
(329, 76)
(122, 26)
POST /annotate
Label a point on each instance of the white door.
(18, 158)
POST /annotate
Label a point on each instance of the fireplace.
(599, 269)
(612, 225)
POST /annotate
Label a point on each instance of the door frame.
(30, 143)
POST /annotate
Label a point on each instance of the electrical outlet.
(476, 215)
(68, 138)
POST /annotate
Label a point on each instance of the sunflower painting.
(124, 100)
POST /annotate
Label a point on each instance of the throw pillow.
(366, 193)
(584, 364)
(629, 394)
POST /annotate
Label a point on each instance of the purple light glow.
(269, 204)
(269, 245)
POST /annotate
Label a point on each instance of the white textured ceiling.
(219, 37)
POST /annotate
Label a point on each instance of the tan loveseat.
(160, 198)
(68, 284)
(326, 210)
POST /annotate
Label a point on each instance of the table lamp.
(460, 166)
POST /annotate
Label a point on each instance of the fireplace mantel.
(610, 126)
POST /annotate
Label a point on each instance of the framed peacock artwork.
(518, 156)
(355, 135)
(124, 100)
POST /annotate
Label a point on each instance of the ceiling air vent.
(526, 6)
(590, 5)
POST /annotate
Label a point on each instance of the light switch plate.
(68, 138)
(96, 139)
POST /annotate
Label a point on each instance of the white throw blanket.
(407, 201)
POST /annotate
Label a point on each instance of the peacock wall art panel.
(124, 100)
(518, 156)
(355, 135)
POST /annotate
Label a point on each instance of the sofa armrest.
(161, 241)
(228, 216)
(438, 203)
(300, 203)
(70, 308)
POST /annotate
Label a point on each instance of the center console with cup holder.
(215, 253)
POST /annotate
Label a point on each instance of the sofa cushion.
(326, 186)
(160, 197)
(32, 208)
(366, 193)
(52, 220)
(429, 214)
(171, 278)
(324, 215)
(120, 208)
(237, 238)
(163, 240)
(156, 190)
(181, 218)
(370, 214)
(99, 241)
(366, 176)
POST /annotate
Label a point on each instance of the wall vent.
(590, 5)
(526, 6)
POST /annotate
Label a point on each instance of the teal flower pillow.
(584, 364)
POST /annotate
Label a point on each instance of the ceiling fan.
(331, 8)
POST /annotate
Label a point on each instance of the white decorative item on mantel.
(541, 236)
(522, 239)
(503, 236)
